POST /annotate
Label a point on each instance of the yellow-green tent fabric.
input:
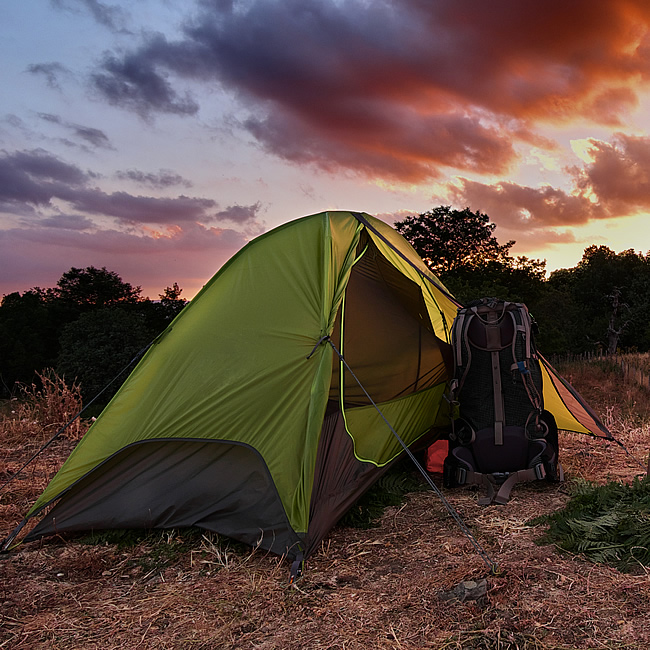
(240, 419)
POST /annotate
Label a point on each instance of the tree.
(40, 326)
(449, 239)
(171, 294)
(611, 295)
(460, 247)
(92, 287)
(171, 302)
(98, 345)
(616, 327)
(28, 338)
(158, 314)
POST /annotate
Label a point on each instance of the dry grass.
(27, 423)
(38, 412)
(376, 588)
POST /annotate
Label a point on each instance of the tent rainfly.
(242, 418)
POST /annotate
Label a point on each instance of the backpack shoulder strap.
(493, 334)
(460, 342)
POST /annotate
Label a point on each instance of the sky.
(158, 137)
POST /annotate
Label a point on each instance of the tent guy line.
(483, 554)
(7, 543)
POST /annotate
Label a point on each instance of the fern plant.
(605, 523)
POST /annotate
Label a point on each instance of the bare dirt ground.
(375, 588)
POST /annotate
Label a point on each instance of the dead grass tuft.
(38, 412)
(27, 422)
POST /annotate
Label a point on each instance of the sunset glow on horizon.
(156, 138)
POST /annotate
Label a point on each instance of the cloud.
(35, 177)
(611, 104)
(619, 174)
(162, 179)
(51, 71)
(241, 214)
(400, 145)
(68, 222)
(188, 255)
(400, 91)
(40, 164)
(113, 17)
(135, 83)
(141, 209)
(90, 135)
(612, 182)
(520, 208)
(38, 179)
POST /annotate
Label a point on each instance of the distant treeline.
(92, 324)
(87, 328)
(601, 304)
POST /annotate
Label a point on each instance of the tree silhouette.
(449, 239)
(92, 287)
(460, 247)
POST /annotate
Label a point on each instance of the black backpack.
(501, 433)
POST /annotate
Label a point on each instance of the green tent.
(242, 418)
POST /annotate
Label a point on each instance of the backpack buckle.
(461, 475)
(540, 471)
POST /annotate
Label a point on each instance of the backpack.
(501, 433)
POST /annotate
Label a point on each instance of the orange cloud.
(614, 182)
(522, 208)
(619, 175)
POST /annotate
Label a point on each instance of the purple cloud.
(141, 209)
(239, 213)
(68, 222)
(113, 17)
(136, 84)
(162, 179)
(51, 71)
(399, 92)
(90, 135)
(36, 178)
